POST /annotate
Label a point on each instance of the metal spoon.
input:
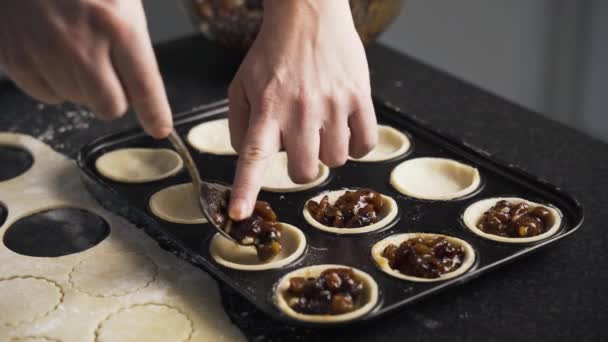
(213, 198)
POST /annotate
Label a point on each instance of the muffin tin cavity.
(387, 215)
(435, 178)
(56, 232)
(276, 177)
(139, 165)
(15, 161)
(245, 258)
(383, 264)
(368, 298)
(391, 144)
(475, 211)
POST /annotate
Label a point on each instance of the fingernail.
(238, 210)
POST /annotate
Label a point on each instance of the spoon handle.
(182, 150)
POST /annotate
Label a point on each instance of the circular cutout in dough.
(177, 204)
(145, 322)
(3, 213)
(245, 258)
(19, 159)
(113, 275)
(391, 144)
(139, 165)
(474, 212)
(368, 301)
(276, 176)
(212, 137)
(56, 232)
(388, 214)
(397, 239)
(435, 178)
(27, 298)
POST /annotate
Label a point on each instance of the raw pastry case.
(190, 242)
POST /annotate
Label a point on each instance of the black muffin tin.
(191, 241)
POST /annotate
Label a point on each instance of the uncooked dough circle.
(435, 178)
(212, 137)
(474, 212)
(276, 177)
(145, 322)
(139, 165)
(245, 258)
(388, 214)
(370, 295)
(391, 144)
(113, 274)
(27, 298)
(397, 239)
(178, 204)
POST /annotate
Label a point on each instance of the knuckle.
(267, 98)
(253, 154)
(108, 16)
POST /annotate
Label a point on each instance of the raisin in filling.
(261, 229)
(354, 209)
(336, 291)
(515, 220)
(425, 257)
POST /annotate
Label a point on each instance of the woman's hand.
(93, 52)
(303, 86)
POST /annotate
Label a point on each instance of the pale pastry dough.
(476, 210)
(122, 274)
(212, 137)
(388, 214)
(397, 239)
(276, 177)
(245, 258)
(139, 165)
(177, 204)
(54, 181)
(391, 144)
(26, 298)
(369, 296)
(33, 339)
(435, 178)
(146, 323)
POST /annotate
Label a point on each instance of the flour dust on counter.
(123, 288)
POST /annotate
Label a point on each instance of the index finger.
(134, 60)
(262, 140)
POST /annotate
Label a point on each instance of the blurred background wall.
(548, 55)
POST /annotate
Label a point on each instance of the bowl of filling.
(235, 23)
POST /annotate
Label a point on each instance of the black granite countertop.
(560, 293)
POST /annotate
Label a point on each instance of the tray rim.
(161, 235)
